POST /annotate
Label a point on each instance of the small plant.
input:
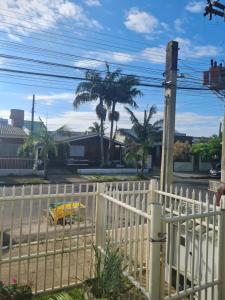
(15, 291)
(109, 281)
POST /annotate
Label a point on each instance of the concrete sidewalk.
(193, 175)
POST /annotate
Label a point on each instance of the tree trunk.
(45, 168)
(143, 163)
(111, 134)
(101, 137)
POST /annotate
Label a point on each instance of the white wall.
(183, 166)
(204, 166)
(109, 171)
(18, 172)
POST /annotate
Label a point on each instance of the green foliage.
(181, 151)
(43, 139)
(208, 150)
(7, 290)
(109, 280)
(61, 296)
(133, 155)
(144, 134)
(76, 293)
(27, 149)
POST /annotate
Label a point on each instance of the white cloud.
(141, 21)
(189, 50)
(51, 99)
(187, 122)
(195, 6)
(93, 2)
(40, 15)
(122, 57)
(196, 124)
(14, 37)
(85, 63)
(101, 57)
(179, 25)
(155, 55)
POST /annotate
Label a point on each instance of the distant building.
(85, 150)
(10, 140)
(17, 117)
(3, 121)
(36, 126)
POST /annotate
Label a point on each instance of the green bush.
(109, 280)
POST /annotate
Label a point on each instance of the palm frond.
(84, 86)
(61, 296)
(158, 124)
(151, 112)
(133, 118)
(81, 98)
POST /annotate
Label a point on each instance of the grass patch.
(17, 180)
(104, 178)
(74, 293)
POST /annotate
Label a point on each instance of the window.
(77, 151)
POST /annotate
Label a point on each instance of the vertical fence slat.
(38, 243)
(213, 249)
(21, 232)
(200, 250)
(11, 233)
(178, 252)
(46, 242)
(1, 230)
(54, 222)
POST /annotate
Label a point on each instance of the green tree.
(210, 150)
(120, 89)
(181, 151)
(96, 128)
(46, 142)
(93, 89)
(144, 133)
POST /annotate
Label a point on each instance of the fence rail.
(16, 163)
(172, 241)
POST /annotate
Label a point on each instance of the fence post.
(100, 217)
(221, 289)
(155, 242)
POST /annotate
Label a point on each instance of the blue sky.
(130, 34)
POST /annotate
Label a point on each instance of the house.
(11, 138)
(86, 150)
(3, 121)
(193, 164)
(156, 150)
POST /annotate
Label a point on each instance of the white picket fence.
(172, 242)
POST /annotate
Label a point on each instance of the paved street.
(23, 209)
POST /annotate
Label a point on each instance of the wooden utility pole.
(223, 151)
(219, 11)
(166, 175)
(32, 115)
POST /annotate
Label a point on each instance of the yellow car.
(65, 212)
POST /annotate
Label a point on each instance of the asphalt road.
(198, 185)
(28, 211)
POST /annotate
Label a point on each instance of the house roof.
(8, 131)
(88, 136)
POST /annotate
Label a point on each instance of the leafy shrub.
(109, 279)
(8, 291)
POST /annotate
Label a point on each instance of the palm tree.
(96, 128)
(144, 134)
(120, 89)
(46, 142)
(93, 89)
